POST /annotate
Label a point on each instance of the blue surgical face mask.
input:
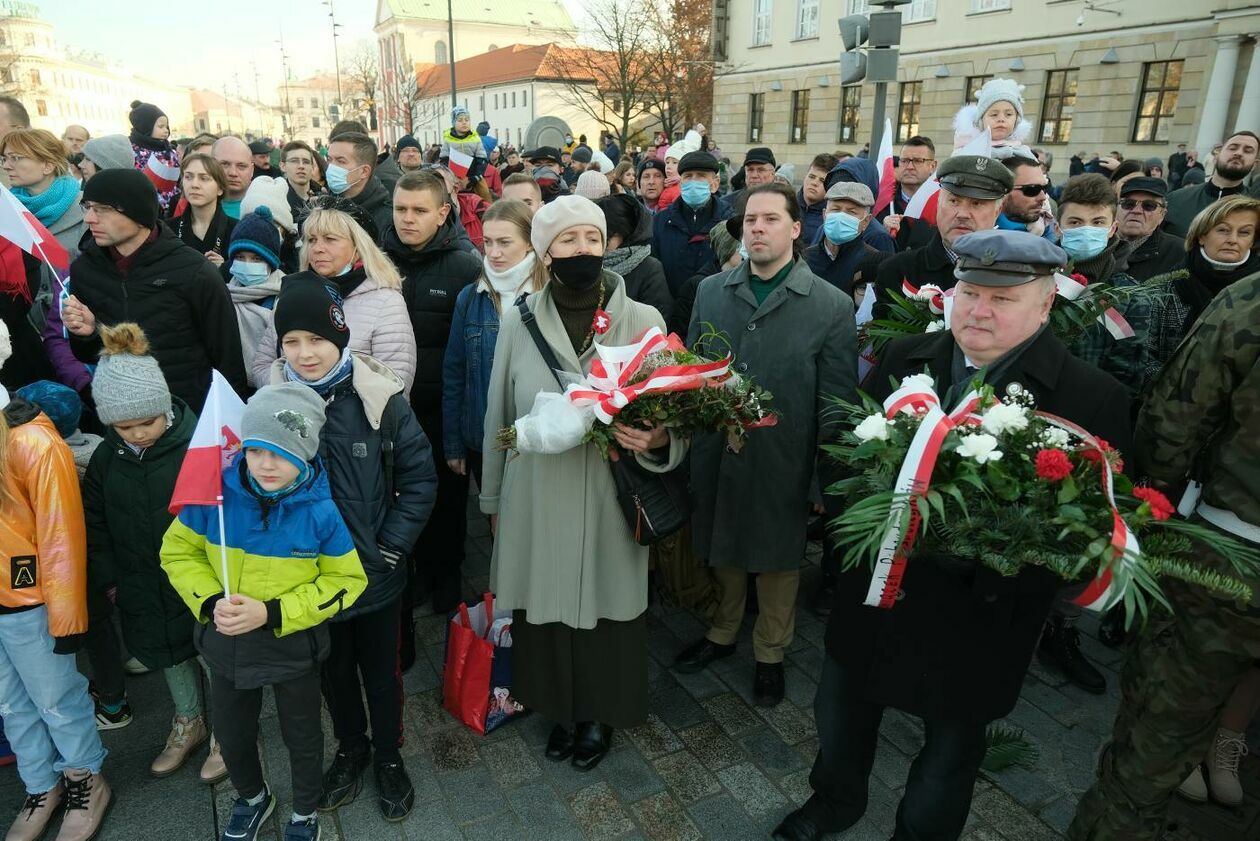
(345, 269)
(696, 193)
(249, 274)
(840, 227)
(337, 178)
(1086, 242)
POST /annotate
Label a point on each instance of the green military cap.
(1005, 258)
(975, 176)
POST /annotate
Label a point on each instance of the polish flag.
(460, 163)
(20, 227)
(887, 172)
(164, 176)
(214, 445)
(922, 204)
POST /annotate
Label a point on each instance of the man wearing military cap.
(955, 647)
(973, 188)
(840, 252)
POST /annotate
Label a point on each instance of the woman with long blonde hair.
(510, 271)
(338, 246)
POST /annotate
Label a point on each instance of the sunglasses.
(1031, 190)
(1149, 205)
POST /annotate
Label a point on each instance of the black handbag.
(655, 505)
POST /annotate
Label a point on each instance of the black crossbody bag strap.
(535, 333)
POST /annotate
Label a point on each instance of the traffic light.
(881, 33)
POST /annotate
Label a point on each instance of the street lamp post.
(284, 64)
(450, 54)
(336, 59)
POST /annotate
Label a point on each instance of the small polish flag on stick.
(460, 163)
(20, 227)
(922, 204)
(887, 172)
(163, 175)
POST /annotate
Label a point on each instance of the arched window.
(439, 52)
(494, 46)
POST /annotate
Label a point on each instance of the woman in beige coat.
(564, 560)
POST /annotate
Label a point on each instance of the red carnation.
(1080, 278)
(1053, 465)
(1092, 454)
(1161, 508)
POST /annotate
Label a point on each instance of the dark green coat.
(125, 498)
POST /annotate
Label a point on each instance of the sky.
(188, 46)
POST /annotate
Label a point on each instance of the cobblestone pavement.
(707, 765)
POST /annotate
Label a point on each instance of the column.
(1249, 108)
(1215, 108)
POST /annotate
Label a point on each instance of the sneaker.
(106, 720)
(186, 736)
(1227, 751)
(307, 830)
(88, 798)
(246, 818)
(135, 668)
(1060, 648)
(214, 768)
(343, 780)
(32, 820)
(394, 791)
(1194, 787)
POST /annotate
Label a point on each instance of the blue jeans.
(49, 718)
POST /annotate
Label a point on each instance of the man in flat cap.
(680, 232)
(840, 252)
(1143, 208)
(973, 188)
(954, 648)
(260, 151)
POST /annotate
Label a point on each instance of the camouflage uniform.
(1183, 667)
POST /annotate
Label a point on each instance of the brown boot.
(88, 798)
(187, 734)
(36, 812)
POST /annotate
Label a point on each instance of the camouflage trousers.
(1178, 676)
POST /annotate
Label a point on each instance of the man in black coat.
(973, 188)
(351, 173)
(955, 647)
(1177, 165)
(629, 252)
(423, 243)
(134, 269)
(1143, 207)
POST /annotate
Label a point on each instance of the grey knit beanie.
(128, 384)
(111, 151)
(285, 419)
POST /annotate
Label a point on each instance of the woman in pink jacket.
(338, 244)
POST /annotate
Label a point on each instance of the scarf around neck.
(1203, 281)
(52, 204)
(325, 384)
(146, 142)
(626, 259)
(508, 284)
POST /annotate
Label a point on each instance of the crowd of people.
(386, 312)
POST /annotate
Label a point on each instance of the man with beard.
(1234, 163)
(1024, 205)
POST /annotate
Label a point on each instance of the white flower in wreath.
(873, 428)
(1004, 417)
(927, 292)
(982, 448)
(936, 326)
(1056, 438)
(920, 382)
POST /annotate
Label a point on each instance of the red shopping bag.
(477, 674)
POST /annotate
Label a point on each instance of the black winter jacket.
(378, 203)
(178, 299)
(432, 279)
(646, 282)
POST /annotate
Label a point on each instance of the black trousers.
(235, 716)
(103, 650)
(938, 789)
(474, 461)
(439, 552)
(364, 661)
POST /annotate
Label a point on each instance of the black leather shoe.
(344, 779)
(824, 597)
(1111, 631)
(592, 742)
(768, 684)
(797, 827)
(698, 656)
(560, 743)
(1060, 649)
(394, 792)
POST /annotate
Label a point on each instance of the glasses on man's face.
(299, 161)
(98, 209)
(13, 160)
(918, 161)
(1030, 190)
(1147, 205)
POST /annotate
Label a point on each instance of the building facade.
(1134, 76)
(217, 113)
(311, 108)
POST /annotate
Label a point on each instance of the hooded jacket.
(178, 299)
(432, 279)
(369, 426)
(861, 171)
(645, 279)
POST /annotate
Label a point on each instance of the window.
(1161, 83)
(314, 102)
(481, 102)
(756, 113)
(299, 102)
(496, 101)
(524, 98)
(800, 117)
(908, 110)
(513, 99)
(806, 18)
(850, 113)
(439, 52)
(917, 10)
(42, 107)
(761, 23)
(314, 122)
(30, 39)
(974, 84)
(35, 80)
(4, 38)
(1057, 106)
(989, 5)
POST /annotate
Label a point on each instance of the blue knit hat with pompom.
(257, 233)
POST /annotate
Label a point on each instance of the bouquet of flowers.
(655, 381)
(1078, 305)
(1008, 486)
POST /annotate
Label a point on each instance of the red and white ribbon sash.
(1071, 289)
(607, 390)
(164, 176)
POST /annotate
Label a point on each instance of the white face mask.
(249, 274)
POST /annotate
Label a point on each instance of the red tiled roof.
(517, 62)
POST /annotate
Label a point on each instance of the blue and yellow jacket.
(295, 554)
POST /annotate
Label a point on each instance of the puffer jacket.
(369, 425)
(177, 298)
(432, 279)
(379, 328)
(294, 554)
(43, 548)
(125, 499)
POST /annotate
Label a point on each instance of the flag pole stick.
(51, 268)
(218, 430)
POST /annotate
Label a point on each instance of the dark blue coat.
(680, 240)
(839, 271)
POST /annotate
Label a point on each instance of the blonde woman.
(510, 270)
(338, 246)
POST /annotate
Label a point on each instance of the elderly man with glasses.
(1027, 205)
(1142, 211)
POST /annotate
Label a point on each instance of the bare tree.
(364, 74)
(682, 81)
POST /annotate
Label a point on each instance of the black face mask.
(579, 272)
